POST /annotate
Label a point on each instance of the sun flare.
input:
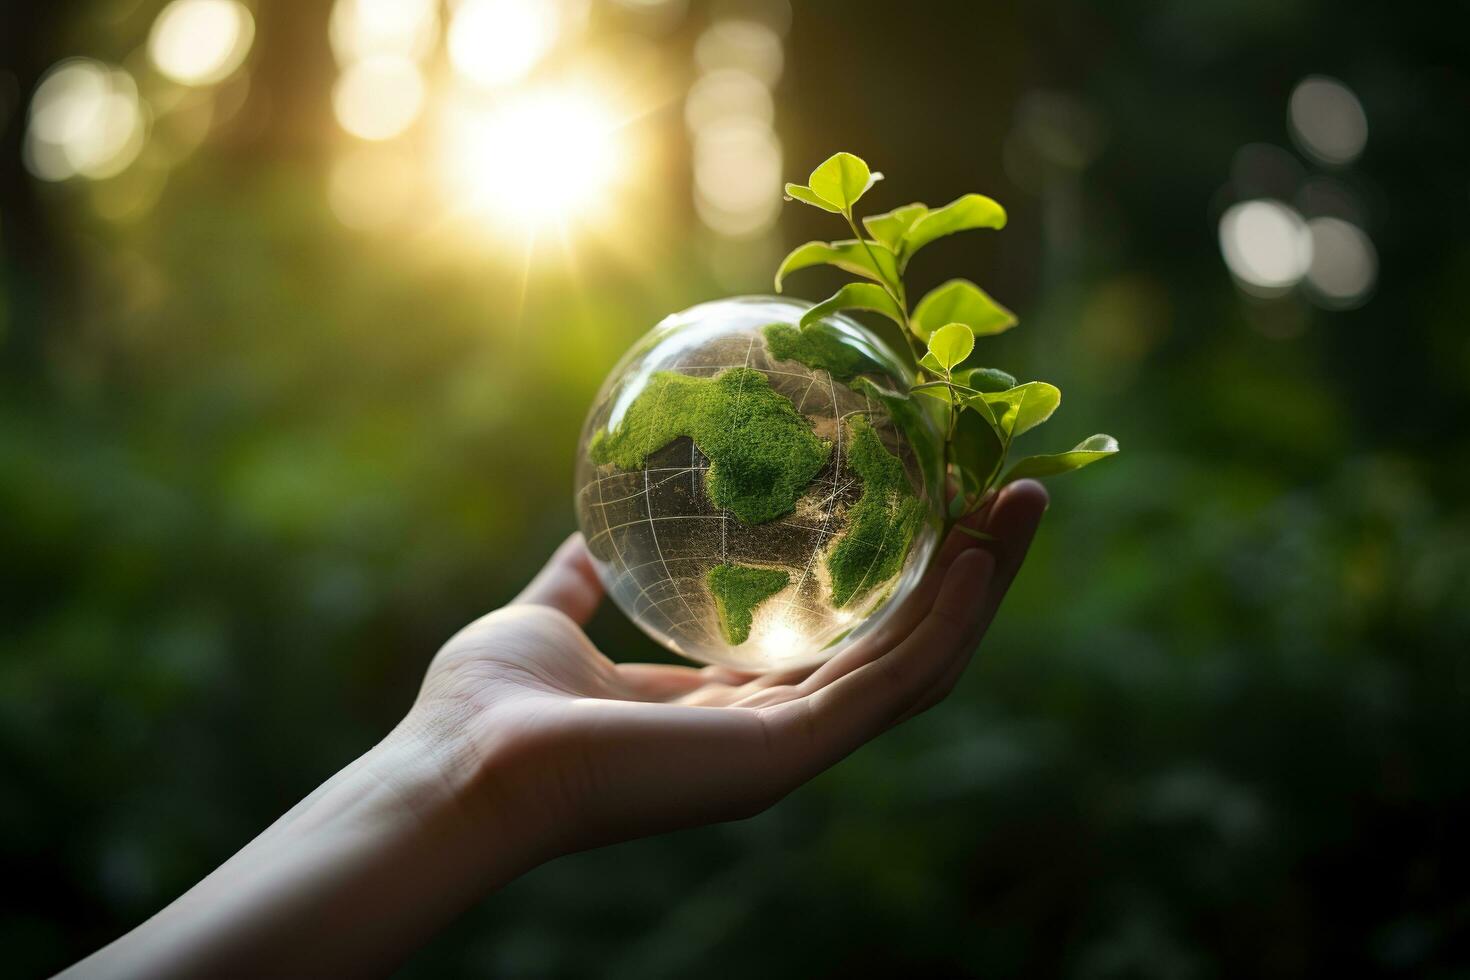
(538, 159)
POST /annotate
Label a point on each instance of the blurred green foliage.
(254, 468)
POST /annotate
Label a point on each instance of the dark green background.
(254, 468)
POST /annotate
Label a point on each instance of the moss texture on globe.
(755, 494)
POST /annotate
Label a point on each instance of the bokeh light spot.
(727, 94)
(379, 97)
(86, 120)
(1327, 120)
(737, 177)
(1344, 264)
(748, 45)
(200, 42)
(363, 28)
(1266, 246)
(495, 42)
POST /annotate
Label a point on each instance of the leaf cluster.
(980, 410)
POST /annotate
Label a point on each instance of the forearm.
(347, 883)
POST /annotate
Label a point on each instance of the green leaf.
(978, 404)
(1024, 407)
(931, 363)
(966, 213)
(856, 296)
(1086, 452)
(951, 344)
(985, 379)
(804, 194)
(871, 260)
(890, 227)
(938, 393)
(977, 450)
(961, 301)
(841, 179)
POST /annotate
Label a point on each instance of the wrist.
(472, 781)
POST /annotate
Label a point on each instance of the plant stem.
(894, 290)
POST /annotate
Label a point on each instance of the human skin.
(525, 742)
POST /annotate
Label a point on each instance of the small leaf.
(1088, 451)
(841, 179)
(871, 260)
(856, 296)
(961, 301)
(1024, 407)
(976, 533)
(966, 213)
(985, 379)
(804, 194)
(890, 227)
(978, 404)
(951, 344)
(931, 363)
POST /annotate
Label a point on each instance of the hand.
(526, 742)
(560, 748)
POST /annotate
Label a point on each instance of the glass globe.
(754, 494)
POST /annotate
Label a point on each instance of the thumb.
(568, 583)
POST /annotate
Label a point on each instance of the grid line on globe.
(658, 536)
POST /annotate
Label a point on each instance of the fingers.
(1013, 523)
(917, 604)
(858, 705)
(568, 583)
(918, 671)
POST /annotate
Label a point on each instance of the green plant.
(979, 410)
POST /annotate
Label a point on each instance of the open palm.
(568, 749)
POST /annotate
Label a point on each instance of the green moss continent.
(819, 348)
(762, 451)
(880, 526)
(738, 589)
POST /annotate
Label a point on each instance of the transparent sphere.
(757, 495)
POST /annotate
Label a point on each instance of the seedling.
(979, 410)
